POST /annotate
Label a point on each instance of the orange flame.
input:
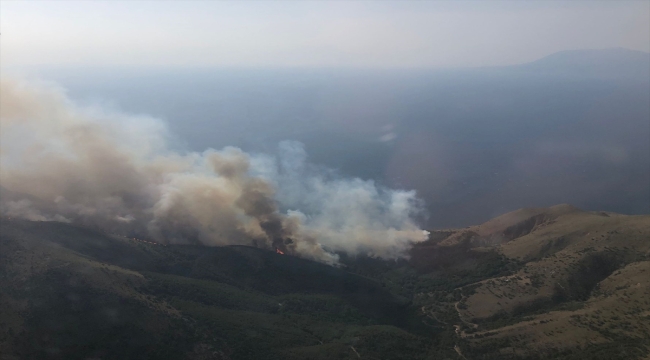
(279, 251)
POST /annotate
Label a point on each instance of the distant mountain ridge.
(594, 62)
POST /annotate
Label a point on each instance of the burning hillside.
(117, 173)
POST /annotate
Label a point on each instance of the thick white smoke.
(115, 172)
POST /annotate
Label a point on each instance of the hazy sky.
(312, 34)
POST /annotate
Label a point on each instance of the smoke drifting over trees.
(117, 172)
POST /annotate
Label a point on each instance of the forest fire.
(278, 251)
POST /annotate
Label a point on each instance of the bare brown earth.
(584, 282)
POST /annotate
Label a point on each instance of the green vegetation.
(68, 292)
(590, 270)
(84, 300)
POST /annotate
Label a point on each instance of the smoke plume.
(116, 172)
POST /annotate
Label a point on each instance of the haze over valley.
(474, 143)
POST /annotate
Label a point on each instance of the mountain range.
(539, 283)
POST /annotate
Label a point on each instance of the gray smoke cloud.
(116, 172)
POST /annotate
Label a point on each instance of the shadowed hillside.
(70, 292)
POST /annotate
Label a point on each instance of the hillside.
(556, 283)
(73, 293)
(581, 283)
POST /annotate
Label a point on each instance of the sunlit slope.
(613, 322)
(69, 292)
(507, 226)
(583, 282)
(558, 248)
